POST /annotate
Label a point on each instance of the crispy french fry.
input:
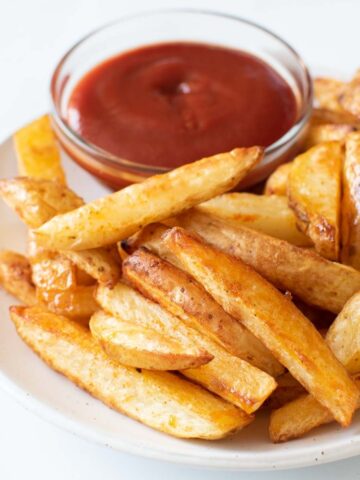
(161, 400)
(343, 337)
(327, 92)
(37, 151)
(312, 278)
(140, 346)
(267, 214)
(272, 317)
(15, 277)
(349, 98)
(181, 295)
(276, 184)
(314, 192)
(115, 217)
(287, 390)
(36, 201)
(350, 252)
(226, 375)
(51, 271)
(76, 303)
(327, 132)
(323, 116)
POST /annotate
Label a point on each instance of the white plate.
(56, 399)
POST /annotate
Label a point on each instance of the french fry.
(327, 92)
(350, 253)
(161, 400)
(312, 278)
(314, 192)
(15, 277)
(276, 184)
(226, 375)
(273, 318)
(287, 390)
(182, 296)
(343, 337)
(349, 98)
(327, 132)
(37, 151)
(116, 216)
(267, 214)
(36, 201)
(322, 116)
(51, 271)
(140, 346)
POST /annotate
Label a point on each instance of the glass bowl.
(169, 26)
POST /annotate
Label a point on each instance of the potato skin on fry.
(159, 399)
(276, 184)
(327, 92)
(115, 217)
(15, 277)
(181, 295)
(312, 278)
(314, 192)
(272, 317)
(327, 133)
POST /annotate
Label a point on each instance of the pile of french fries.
(189, 308)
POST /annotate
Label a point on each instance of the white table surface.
(33, 35)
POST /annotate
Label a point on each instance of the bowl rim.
(104, 156)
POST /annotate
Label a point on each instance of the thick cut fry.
(314, 192)
(139, 346)
(273, 318)
(267, 214)
(181, 295)
(350, 253)
(15, 277)
(276, 184)
(226, 375)
(309, 276)
(287, 390)
(327, 92)
(327, 132)
(76, 303)
(113, 218)
(36, 201)
(350, 97)
(299, 416)
(37, 151)
(161, 400)
(323, 116)
(343, 336)
(51, 271)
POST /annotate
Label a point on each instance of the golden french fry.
(314, 192)
(226, 375)
(349, 98)
(267, 214)
(327, 92)
(161, 400)
(288, 389)
(116, 216)
(51, 271)
(139, 346)
(36, 201)
(306, 274)
(327, 132)
(38, 152)
(324, 116)
(350, 208)
(276, 184)
(182, 296)
(15, 277)
(272, 317)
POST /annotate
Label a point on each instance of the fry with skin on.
(312, 278)
(326, 132)
(272, 317)
(269, 214)
(226, 375)
(349, 98)
(314, 192)
(182, 296)
(38, 152)
(15, 277)
(161, 400)
(350, 252)
(276, 184)
(322, 116)
(327, 92)
(116, 216)
(139, 346)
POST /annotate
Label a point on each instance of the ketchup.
(173, 103)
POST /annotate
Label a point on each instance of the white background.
(33, 35)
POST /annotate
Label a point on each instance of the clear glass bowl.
(168, 26)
